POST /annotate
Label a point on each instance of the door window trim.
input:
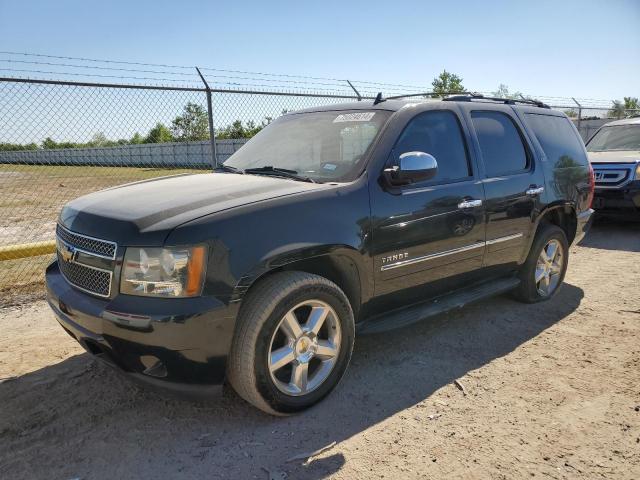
(525, 144)
(432, 183)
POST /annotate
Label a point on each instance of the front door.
(428, 235)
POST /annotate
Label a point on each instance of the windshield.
(619, 137)
(324, 146)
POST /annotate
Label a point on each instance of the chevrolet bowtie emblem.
(67, 252)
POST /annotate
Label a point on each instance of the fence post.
(579, 112)
(212, 133)
(354, 89)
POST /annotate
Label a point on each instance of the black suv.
(360, 217)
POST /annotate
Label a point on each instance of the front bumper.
(180, 344)
(621, 203)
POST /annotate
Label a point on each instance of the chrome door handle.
(470, 204)
(533, 191)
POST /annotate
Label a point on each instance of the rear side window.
(558, 140)
(502, 148)
(439, 134)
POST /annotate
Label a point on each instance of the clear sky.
(550, 48)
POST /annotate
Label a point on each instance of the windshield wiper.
(281, 172)
(227, 168)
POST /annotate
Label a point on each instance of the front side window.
(500, 142)
(617, 137)
(324, 146)
(439, 134)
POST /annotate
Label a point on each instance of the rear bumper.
(177, 344)
(621, 203)
(584, 221)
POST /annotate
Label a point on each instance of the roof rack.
(470, 96)
(428, 94)
(509, 101)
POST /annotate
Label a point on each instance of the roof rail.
(429, 94)
(508, 101)
(470, 96)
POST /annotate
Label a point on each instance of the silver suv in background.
(614, 153)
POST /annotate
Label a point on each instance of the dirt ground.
(552, 391)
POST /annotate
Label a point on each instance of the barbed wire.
(251, 79)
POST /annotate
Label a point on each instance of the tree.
(136, 139)
(617, 109)
(571, 113)
(446, 83)
(503, 92)
(99, 139)
(239, 130)
(158, 134)
(50, 144)
(193, 124)
(631, 103)
(14, 147)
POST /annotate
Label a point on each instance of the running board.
(421, 311)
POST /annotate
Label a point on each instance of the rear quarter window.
(558, 139)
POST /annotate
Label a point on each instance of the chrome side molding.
(503, 239)
(433, 256)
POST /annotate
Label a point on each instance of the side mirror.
(413, 167)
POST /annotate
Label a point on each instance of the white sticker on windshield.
(329, 166)
(354, 117)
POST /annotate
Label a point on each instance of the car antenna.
(378, 99)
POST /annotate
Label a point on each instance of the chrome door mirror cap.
(412, 167)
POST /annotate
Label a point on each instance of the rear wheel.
(293, 342)
(543, 272)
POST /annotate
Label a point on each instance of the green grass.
(64, 171)
(32, 196)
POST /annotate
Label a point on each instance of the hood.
(621, 156)
(143, 213)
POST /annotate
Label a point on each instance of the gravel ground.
(552, 391)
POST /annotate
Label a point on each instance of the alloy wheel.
(304, 348)
(549, 268)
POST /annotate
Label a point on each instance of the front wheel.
(293, 342)
(543, 272)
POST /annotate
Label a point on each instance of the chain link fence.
(62, 139)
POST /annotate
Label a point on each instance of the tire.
(530, 290)
(265, 325)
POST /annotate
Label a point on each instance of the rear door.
(513, 182)
(431, 231)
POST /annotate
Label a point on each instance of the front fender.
(248, 242)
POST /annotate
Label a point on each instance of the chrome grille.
(610, 176)
(90, 279)
(95, 246)
(613, 175)
(75, 252)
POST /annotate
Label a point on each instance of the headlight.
(638, 171)
(164, 272)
